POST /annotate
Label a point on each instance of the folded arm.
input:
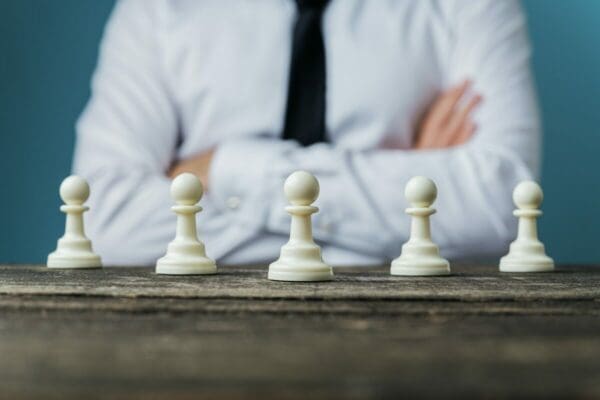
(362, 201)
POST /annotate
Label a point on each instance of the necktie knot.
(311, 5)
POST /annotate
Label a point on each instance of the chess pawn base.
(526, 257)
(74, 254)
(300, 263)
(420, 259)
(186, 259)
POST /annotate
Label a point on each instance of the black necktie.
(305, 111)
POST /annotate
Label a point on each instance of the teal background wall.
(48, 50)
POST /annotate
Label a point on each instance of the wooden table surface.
(128, 333)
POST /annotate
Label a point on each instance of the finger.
(422, 137)
(427, 137)
(444, 106)
(459, 116)
(460, 119)
(424, 131)
(451, 94)
(433, 131)
(465, 133)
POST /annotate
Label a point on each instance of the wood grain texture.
(127, 333)
(467, 283)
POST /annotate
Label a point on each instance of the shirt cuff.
(245, 179)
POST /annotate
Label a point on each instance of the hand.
(199, 165)
(444, 123)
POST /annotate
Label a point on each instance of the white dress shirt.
(179, 77)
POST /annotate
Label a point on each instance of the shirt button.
(233, 202)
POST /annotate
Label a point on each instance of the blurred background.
(48, 50)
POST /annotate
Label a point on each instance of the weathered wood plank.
(466, 284)
(58, 355)
(287, 307)
(127, 333)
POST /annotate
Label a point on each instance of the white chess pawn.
(527, 253)
(74, 249)
(186, 254)
(300, 258)
(420, 255)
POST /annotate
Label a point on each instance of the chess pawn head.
(527, 253)
(301, 188)
(74, 191)
(528, 195)
(420, 192)
(74, 249)
(186, 189)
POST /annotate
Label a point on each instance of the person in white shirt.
(440, 88)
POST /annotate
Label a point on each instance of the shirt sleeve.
(126, 140)
(362, 192)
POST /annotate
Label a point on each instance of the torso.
(385, 63)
